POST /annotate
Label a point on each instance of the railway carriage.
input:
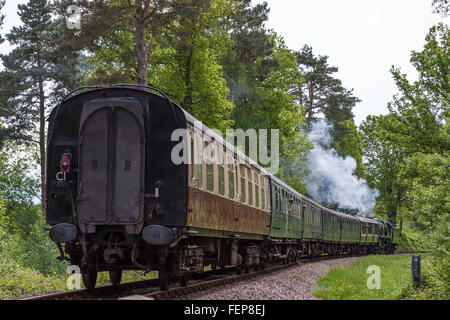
(130, 186)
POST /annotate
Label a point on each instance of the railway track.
(148, 289)
(109, 291)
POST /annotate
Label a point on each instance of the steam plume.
(331, 178)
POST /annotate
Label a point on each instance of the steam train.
(116, 200)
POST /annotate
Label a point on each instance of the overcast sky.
(363, 38)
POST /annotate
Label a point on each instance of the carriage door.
(111, 162)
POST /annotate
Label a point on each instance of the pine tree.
(35, 71)
(320, 90)
(322, 95)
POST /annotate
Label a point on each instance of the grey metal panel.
(128, 164)
(111, 162)
(94, 167)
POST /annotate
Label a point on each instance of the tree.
(382, 162)
(260, 72)
(190, 69)
(419, 110)
(105, 21)
(346, 139)
(183, 60)
(23, 240)
(18, 188)
(408, 150)
(319, 93)
(319, 89)
(247, 59)
(261, 93)
(32, 69)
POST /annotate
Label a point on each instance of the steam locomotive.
(116, 200)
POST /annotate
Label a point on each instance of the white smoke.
(331, 179)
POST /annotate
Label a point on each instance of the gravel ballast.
(296, 283)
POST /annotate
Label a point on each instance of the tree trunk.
(42, 139)
(141, 48)
(187, 103)
(311, 105)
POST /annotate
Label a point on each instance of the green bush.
(16, 281)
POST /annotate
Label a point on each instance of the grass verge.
(351, 282)
(18, 281)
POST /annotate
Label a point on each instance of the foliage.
(261, 72)
(350, 283)
(2, 3)
(35, 72)
(183, 60)
(407, 155)
(35, 63)
(382, 160)
(408, 241)
(16, 281)
(430, 287)
(318, 90)
(188, 64)
(429, 202)
(18, 188)
(15, 278)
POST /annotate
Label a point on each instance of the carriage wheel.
(239, 264)
(90, 277)
(239, 269)
(163, 275)
(115, 276)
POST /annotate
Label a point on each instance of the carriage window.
(250, 192)
(210, 177)
(276, 200)
(221, 175)
(280, 202)
(242, 168)
(242, 190)
(263, 198)
(192, 158)
(199, 176)
(231, 184)
(256, 196)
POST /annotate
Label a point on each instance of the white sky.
(363, 38)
